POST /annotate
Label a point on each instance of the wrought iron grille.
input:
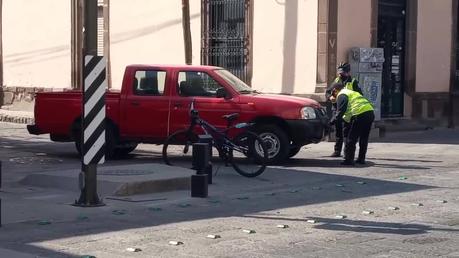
(226, 27)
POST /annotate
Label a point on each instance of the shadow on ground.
(362, 226)
(435, 136)
(264, 193)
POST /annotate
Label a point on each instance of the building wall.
(285, 46)
(354, 26)
(433, 46)
(36, 43)
(150, 32)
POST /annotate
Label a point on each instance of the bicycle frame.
(221, 140)
(246, 146)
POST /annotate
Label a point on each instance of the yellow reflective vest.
(348, 85)
(356, 105)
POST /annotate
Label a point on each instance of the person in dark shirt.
(358, 112)
(342, 128)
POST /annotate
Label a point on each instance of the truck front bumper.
(306, 131)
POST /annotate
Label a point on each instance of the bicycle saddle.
(231, 117)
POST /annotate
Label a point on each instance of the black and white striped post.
(93, 128)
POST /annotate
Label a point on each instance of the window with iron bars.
(226, 35)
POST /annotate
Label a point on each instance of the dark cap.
(344, 68)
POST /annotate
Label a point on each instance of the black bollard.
(199, 186)
(199, 181)
(208, 172)
(200, 157)
(0, 174)
(205, 138)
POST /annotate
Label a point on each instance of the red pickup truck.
(154, 102)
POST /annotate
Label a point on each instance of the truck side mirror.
(222, 93)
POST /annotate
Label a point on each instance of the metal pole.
(1, 44)
(106, 14)
(187, 31)
(90, 28)
(89, 196)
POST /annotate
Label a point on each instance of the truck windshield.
(235, 82)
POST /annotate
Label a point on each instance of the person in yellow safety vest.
(356, 110)
(341, 127)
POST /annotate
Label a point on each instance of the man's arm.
(342, 102)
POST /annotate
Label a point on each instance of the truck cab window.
(197, 84)
(149, 83)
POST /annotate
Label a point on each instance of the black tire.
(177, 148)
(277, 142)
(123, 151)
(249, 156)
(111, 139)
(76, 134)
(294, 151)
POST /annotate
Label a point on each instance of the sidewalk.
(19, 117)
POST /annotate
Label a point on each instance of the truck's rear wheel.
(111, 140)
(123, 151)
(277, 142)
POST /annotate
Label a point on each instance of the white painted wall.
(150, 32)
(36, 43)
(433, 52)
(285, 46)
(354, 27)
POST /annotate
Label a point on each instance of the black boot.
(361, 159)
(348, 163)
(348, 155)
(335, 154)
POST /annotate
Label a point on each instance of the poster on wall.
(367, 66)
(370, 83)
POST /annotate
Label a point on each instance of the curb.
(118, 180)
(154, 186)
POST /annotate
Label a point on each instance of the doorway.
(391, 37)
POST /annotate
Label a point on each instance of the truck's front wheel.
(277, 142)
(293, 151)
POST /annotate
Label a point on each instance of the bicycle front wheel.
(177, 149)
(248, 154)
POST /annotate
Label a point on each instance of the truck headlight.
(308, 113)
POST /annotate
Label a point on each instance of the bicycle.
(245, 151)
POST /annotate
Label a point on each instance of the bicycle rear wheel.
(249, 154)
(177, 149)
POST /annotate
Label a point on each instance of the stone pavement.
(404, 203)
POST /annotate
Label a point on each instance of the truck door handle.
(178, 105)
(135, 103)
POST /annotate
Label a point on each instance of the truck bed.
(55, 111)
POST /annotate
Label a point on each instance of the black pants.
(341, 133)
(359, 130)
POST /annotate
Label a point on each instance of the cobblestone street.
(403, 203)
